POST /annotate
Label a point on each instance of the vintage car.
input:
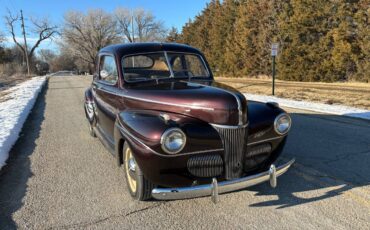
(175, 131)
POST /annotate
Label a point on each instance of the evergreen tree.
(363, 40)
(253, 33)
(319, 40)
(342, 43)
(303, 35)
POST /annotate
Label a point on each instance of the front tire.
(138, 186)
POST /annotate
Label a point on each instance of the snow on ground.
(313, 106)
(14, 111)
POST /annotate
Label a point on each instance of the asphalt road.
(58, 177)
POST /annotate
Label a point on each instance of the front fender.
(261, 121)
(142, 130)
(148, 127)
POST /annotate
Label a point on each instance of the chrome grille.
(233, 140)
(205, 165)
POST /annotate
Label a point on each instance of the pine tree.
(254, 29)
(302, 29)
(319, 40)
(343, 46)
(363, 40)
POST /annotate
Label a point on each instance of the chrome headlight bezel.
(277, 123)
(167, 134)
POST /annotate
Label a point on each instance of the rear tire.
(138, 186)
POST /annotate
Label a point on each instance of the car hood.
(209, 101)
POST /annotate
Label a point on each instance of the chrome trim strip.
(222, 187)
(202, 151)
(230, 126)
(239, 108)
(161, 154)
(240, 112)
(169, 65)
(265, 140)
(158, 102)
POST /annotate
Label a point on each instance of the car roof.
(134, 48)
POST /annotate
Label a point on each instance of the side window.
(108, 69)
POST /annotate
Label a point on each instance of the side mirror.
(104, 73)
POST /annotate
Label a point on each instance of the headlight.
(173, 140)
(282, 123)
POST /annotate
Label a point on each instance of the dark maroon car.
(176, 132)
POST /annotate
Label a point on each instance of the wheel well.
(120, 151)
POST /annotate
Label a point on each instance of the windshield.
(142, 67)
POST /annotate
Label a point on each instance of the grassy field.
(350, 93)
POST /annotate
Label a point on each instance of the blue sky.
(173, 13)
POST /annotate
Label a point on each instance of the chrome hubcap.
(130, 165)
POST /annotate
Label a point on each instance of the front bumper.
(222, 187)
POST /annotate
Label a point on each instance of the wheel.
(91, 128)
(138, 186)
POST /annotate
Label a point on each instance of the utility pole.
(133, 35)
(132, 27)
(25, 44)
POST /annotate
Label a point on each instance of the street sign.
(274, 49)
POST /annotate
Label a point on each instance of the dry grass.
(7, 82)
(353, 94)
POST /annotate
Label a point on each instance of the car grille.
(256, 155)
(205, 165)
(234, 142)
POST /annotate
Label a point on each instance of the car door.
(107, 101)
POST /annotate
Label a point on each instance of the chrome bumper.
(222, 187)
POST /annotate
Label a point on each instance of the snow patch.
(313, 106)
(14, 111)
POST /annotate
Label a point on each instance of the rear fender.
(89, 106)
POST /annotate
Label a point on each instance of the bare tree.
(47, 55)
(85, 34)
(2, 37)
(139, 25)
(42, 28)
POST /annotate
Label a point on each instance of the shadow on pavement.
(14, 176)
(332, 156)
